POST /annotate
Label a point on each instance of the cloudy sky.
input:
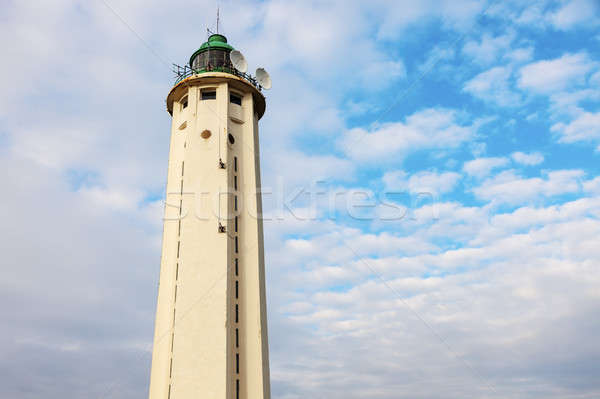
(434, 217)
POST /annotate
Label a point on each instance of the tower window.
(237, 338)
(236, 313)
(235, 182)
(235, 99)
(235, 164)
(237, 289)
(184, 102)
(237, 363)
(209, 94)
(231, 138)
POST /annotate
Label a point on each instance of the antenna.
(239, 61)
(263, 78)
(218, 17)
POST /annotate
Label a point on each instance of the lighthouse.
(210, 337)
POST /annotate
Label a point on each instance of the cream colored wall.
(195, 320)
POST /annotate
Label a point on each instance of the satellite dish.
(239, 61)
(263, 78)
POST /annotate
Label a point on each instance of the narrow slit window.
(237, 363)
(235, 182)
(235, 164)
(209, 94)
(236, 266)
(237, 290)
(237, 338)
(236, 224)
(178, 245)
(236, 313)
(237, 389)
(235, 99)
(236, 244)
(235, 202)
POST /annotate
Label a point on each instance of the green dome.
(216, 41)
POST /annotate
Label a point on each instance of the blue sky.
(476, 275)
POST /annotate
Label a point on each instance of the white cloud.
(427, 129)
(585, 127)
(592, 186)
(526, 259)
(533, 158)
(520, 55)
(508, 187)
(488, 49)
(494, 86)
(482, 167)
(576, 14)
(549, 76)
(595, 79)
(431, 182)
(380, 74)
(399, 15)
(436, 57)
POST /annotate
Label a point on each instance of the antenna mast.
(218, 19)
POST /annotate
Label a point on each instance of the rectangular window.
(184, 102)
(209, 94)
(235, 202)
(237, 363)
(235, 99)
(236, 313)
(237, 289)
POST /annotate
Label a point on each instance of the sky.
(431, 185)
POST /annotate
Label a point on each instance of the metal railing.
(182, 72)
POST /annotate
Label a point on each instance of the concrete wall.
(195, 343)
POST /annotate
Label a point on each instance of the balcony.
(183, 72)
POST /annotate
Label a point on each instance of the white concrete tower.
(211, 328)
